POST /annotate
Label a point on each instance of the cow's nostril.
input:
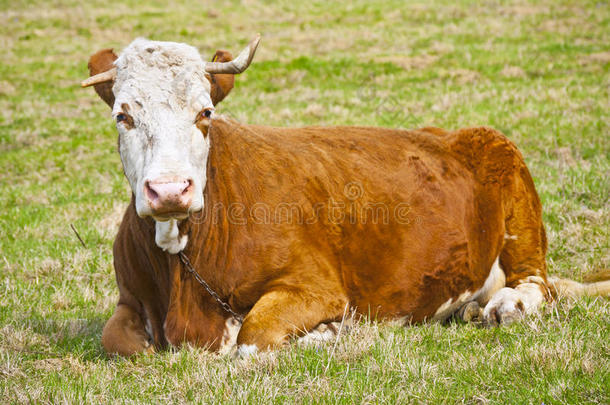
(150, 193)
(189, 187)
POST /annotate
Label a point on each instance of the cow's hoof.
(505, 307)
(470, 312)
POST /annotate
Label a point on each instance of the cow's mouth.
(166, 216)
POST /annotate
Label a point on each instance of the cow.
(291, 227)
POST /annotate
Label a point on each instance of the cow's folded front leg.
(282, 314)
(510, 304)
(125, 334)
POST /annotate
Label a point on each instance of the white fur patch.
(449, 307)
(246, 350)
(168, 238)
(494, 282)
(148, 327)
(509, 304)
(323, 333)
(229, 336)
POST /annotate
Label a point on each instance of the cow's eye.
(205, 113)
(120, 117)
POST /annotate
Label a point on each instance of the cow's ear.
(100, 62)
(221, 84)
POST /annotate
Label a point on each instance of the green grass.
(538, 71)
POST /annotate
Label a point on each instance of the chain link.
(225, 305)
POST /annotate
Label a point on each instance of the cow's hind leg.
(522, 258)
(125, 333)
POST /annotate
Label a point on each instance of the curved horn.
(106, 76)
(238, 64)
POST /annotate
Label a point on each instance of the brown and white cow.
(292, 226)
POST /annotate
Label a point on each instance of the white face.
(160, 92)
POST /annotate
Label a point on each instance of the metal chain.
(225, 305)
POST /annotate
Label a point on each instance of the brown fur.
(100, 62)
(462, 191)
(221, 83)
(124, 333)
(128, 122)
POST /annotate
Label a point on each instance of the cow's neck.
(233, 176)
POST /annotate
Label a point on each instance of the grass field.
(538, 71)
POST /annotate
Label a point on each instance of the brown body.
(299, 223)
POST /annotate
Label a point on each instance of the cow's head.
(162, 96)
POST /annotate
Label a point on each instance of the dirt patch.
(565, 157)
(410, 62)
(6, 88)
(601, 58)
(49, 364)
(564, 26)
(524, 10)
(464, 76)
(512, 71)
(315, 110)
(441, 47)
